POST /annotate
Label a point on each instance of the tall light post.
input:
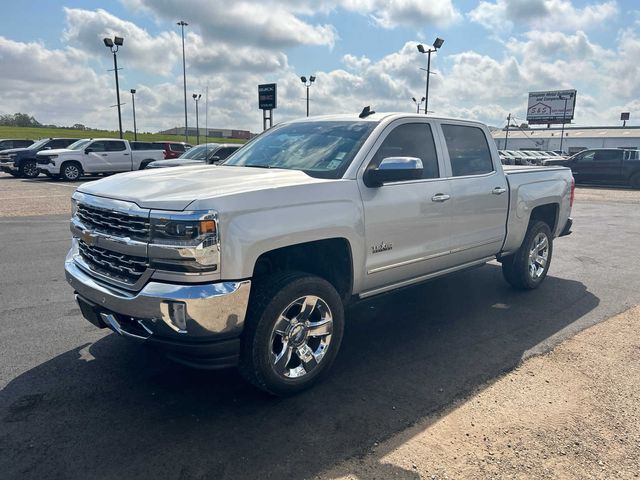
(183, 24)
(436, 45)
(308, 84)
(133, 102)
(113, 46)
(418, 103)
(196, 97)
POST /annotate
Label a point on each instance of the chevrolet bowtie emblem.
(88, 238)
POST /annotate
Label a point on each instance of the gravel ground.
(571, 413)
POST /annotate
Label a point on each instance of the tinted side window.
(225, 152)
(411, 140)
(98, 146)
(608, 155)
(115, 146)
(21, 143)
(468, 150)
(176, 147)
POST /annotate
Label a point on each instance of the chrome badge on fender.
(381, 247)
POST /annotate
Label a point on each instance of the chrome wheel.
(538, 256)
(71, 172)
(301, 336)
(30, 170)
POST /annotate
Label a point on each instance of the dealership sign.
(267, 96)
(551, 107)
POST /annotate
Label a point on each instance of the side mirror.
(47, 148)
(88, 150)
(393, 169)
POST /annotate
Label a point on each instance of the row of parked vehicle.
(70, 158)
(528, 157)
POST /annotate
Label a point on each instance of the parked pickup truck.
(21, 162)
(95, 155)
(251, 263)
(604, 166)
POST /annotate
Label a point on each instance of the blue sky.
(362, 51)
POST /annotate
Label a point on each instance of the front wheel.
(528, 267)
(292, 332)
(29, 169)
(70, 171)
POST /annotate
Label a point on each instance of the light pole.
(436, 45)
(418, 103)
(133, 102)
(506, 135)
(196, 97)
(308, 84)
(564, 119)
(113, 46)
(183, 24)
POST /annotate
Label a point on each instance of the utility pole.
(183, 24)
(133, 102)
(506, 136)
(564, 119)
(197, 97)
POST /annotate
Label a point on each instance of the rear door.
(406, 223)
(118, 155)
(479, 191)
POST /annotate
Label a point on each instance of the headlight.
(74, 206)
(186, 241)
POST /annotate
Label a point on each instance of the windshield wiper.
(257, 166)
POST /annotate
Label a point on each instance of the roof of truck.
(377, 117)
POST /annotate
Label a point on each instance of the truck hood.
(58, 151)
(175, 162)
(176, 188)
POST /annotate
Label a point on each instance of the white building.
(575, 138)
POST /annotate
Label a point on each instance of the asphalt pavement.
(81, 403)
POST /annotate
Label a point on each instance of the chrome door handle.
(498, 190)
(440, 197)
(103, 154)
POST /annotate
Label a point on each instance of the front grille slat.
(111, 222)
(121, 267)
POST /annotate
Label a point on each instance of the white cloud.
(562, 15)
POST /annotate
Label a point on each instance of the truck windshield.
(39, 143)
(78, 145)
(320, 149)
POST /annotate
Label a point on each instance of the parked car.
(604, 166)
(173, 149)
(22, 162)
(206, 153)
(95, 155)
(7, 143)
(251, 263)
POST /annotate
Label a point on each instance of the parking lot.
(74, 398)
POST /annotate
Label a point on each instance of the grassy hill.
(37, 133)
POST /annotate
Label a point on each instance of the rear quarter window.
(468, 150)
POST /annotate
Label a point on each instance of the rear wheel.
(292, 333)
(70, 171)
(29, 169)
(528, 267)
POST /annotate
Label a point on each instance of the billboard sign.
(549, 107)
(267, 96)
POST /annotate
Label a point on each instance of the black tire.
(70, 171)
(269, 301)
(144, 164)
(635, 181)
(517, 268)
(29, 169)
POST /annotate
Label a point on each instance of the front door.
(406, 223)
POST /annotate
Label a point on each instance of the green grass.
(37, 133)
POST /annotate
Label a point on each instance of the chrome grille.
(118, 266)
(112, 222)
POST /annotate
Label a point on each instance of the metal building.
(575, 138)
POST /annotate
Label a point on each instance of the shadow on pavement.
(114, 410)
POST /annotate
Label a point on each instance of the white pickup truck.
(251, 263)
(97, 155)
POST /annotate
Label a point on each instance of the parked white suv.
(95, 155)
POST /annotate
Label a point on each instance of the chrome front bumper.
(176, 317)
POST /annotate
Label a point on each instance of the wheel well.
(547, 214)
(329, 259)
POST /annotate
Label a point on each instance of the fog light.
(178, 316)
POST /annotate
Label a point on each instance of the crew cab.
(207, 153)
(251, 263)
(604, 166)
(95, 155)
(22, 162)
